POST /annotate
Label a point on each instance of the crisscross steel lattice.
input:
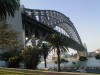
(54, 19)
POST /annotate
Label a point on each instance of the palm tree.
(45, 50)
(8, 7)
(58, 42)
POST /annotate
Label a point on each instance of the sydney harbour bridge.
(41, 23)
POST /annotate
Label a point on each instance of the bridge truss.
(50, 21)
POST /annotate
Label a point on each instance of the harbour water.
(91, 62)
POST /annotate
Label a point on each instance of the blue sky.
(85, 14)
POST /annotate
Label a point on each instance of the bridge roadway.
(35, 26)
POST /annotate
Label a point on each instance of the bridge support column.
(15, 23)
(33, 40)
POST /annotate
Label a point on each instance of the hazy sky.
(85, 15)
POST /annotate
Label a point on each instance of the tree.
(31, 57)
(57, 41)
(97, 56)
(82, 58)
(74, 63)
(8, 38)
(64, 61)
(8, 8)
(45, 51)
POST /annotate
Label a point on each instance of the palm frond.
(8, 8)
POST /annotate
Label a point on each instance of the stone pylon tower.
(15, 23)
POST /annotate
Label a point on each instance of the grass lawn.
(8, 72)
(12, 71)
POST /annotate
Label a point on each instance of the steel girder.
(49, 19)
(52, 19)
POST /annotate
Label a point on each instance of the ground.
(10, 71)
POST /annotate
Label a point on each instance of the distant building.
(97, 51)
(94, 53)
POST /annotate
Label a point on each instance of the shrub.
(74, 63)
(12, 57)
(55, 62)
(82, 58)
(13, 62)
(31, 56)
(63, 61)
(97, 56)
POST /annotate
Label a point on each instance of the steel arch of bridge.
(52, 19)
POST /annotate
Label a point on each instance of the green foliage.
(12, 57)
(83, 58)
(31, 56)
(45, 50)
(9, 54)
(55, 39)
(58, 42)
(8, 7)
(55, 62)
(13, 62)
(13, 71)
(64, 61)
(97, 56)
(74, 63)
(8, 38)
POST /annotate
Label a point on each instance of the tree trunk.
(58, 59)
(45, 63)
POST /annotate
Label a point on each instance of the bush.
(83, 58)
(74, 63)
(13, 62)
(31, 56)
(5, 56)
(97, 56)
(55, 62)
(63, 61)
(12, 57)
